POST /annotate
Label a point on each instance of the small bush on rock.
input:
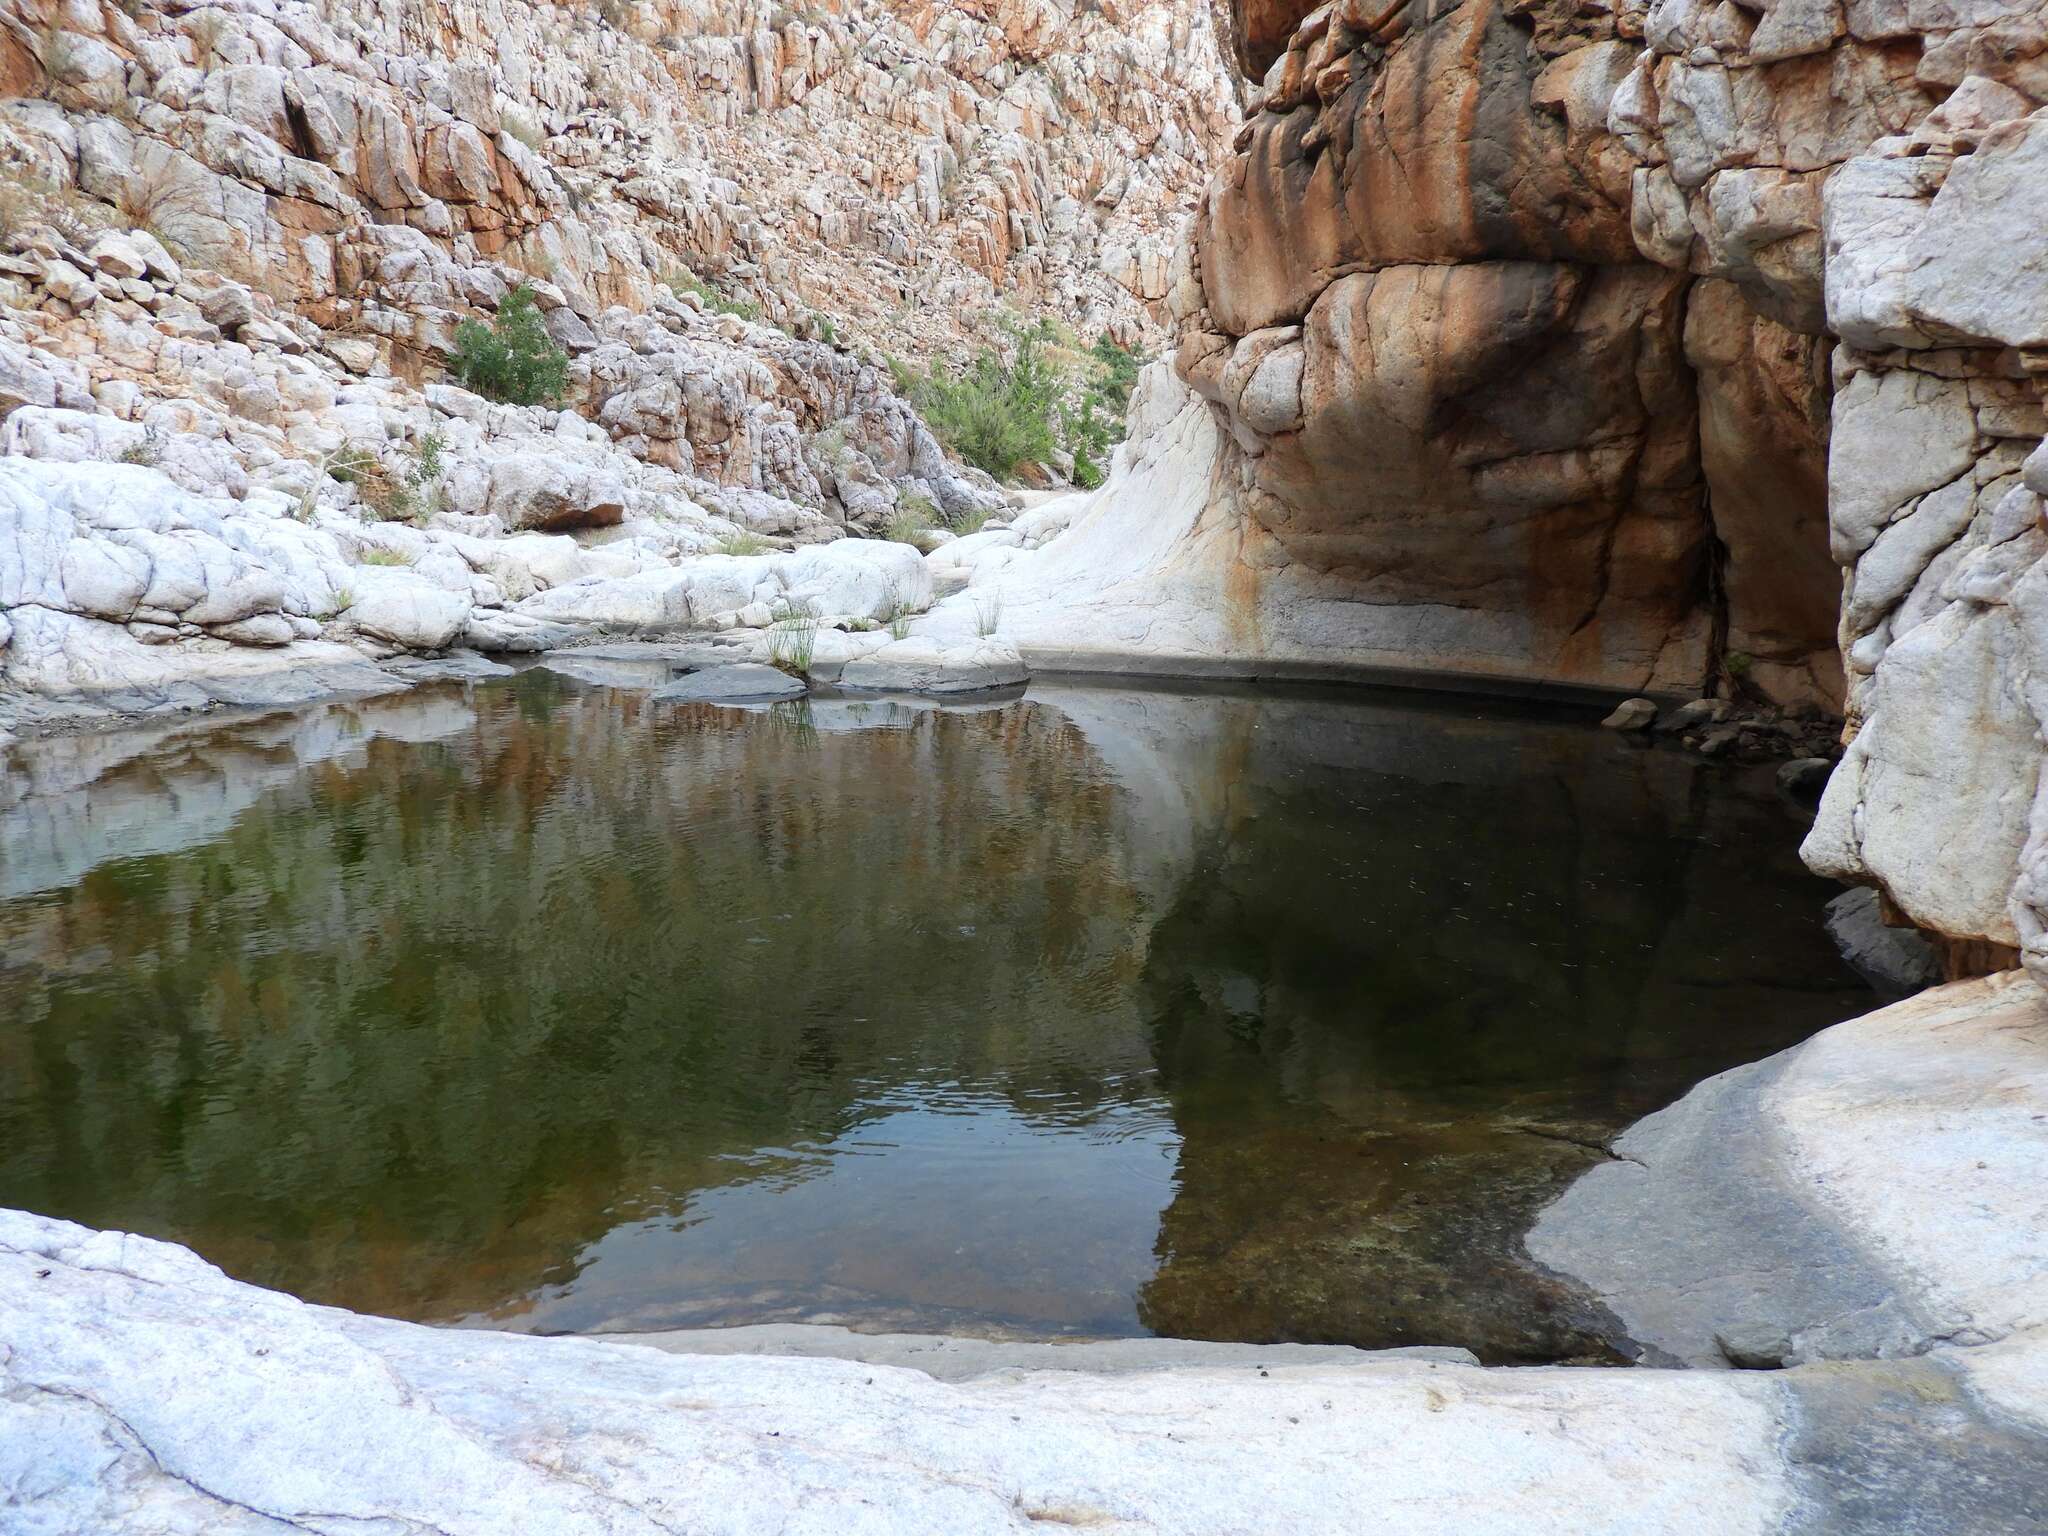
(145, 450)
(513, 360)
(914, 514)
(1020, 405)
(997, 414)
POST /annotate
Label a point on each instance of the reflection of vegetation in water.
(792, 717)
(442, 1006)
(428, 1021)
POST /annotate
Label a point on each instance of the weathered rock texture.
(236, 243)
(888, 165)
(1679, 346)
(1466, 387)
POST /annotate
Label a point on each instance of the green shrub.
(1019, 406)
(513, 360)
(1116, 374)
(1093, 426)
(999, 412)
(742, 543)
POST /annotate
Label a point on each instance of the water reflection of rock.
(1417, 967)
(412, 1026)
(476, 1002)
(70, 803)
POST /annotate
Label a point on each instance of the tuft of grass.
(898, 612)
(512, 360)
(742, 543)
(145, 450)
(385, 557)
(915, 513)
(964, 523)
(171, 208)
(793, 639)
(344, 599)
(988, 614)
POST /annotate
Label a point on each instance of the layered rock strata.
(236, 244)
(890, 166)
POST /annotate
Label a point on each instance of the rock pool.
(540, 1004)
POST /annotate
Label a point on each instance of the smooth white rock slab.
(922, 665)
(140, 1390)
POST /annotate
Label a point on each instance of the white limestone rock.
(137, 1376)
(921, 665)
(742, 682)
(1877, 1192)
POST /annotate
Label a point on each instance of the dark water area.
(542, 1005)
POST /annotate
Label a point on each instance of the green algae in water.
(1104, 1011)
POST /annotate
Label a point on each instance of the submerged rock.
(920, 665)
(741, 682)
(1895, 961)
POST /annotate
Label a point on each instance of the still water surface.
(1101, 1011)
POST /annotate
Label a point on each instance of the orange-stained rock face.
(1443, 292)
(1509, 441)
(1262, 28)
(1438, 154)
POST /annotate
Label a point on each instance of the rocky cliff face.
(891, 167)
(1659, 345)
(236, 243)
(1465, 385)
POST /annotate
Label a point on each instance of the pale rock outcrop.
(237, 244)
(739, 683)
(120, 591)
(1936, 508)
(918, 665)
(1887, 1178)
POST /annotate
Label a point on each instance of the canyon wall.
(1676, 344)
(892, 167)
(1463, 383)
(237, 242)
